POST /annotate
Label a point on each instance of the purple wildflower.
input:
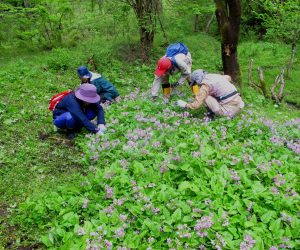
(162, 169)
(109, 192)
(85, 203)
(286, 218)
(249, 208)
(234, 175)
(156, 144)
(196, 154)
(119, 233)
(275, 190)
(204, 223)
(247, 243)
(80, 231)
(150, 240)
(123, 217)
(279, 180)
(108, 244)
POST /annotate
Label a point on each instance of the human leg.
(65, 121)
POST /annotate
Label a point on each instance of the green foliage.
(40, 166)
(155, 176)
(282, 20)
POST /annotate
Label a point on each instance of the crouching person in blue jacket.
(77, 109)
(105, 89)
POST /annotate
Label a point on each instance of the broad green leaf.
(176, 216)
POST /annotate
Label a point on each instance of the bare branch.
(250, 71)
(282, 85)
(290, 65)
(274, 96)
(262, 81)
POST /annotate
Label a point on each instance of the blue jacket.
(73, 105)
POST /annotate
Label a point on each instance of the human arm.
(73, 106)
(199, 98)
(100, 114)
(184, 64)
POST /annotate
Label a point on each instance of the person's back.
(219, 85)
(217, 92)
(105, 89)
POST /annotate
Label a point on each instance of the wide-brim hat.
(87, 92)
(163, 65)
(83, 72)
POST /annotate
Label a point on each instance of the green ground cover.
(175, 177)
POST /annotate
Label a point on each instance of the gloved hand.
(181, 103)
(101, 128)
(118, 99)
(166, 100)
(107, 102)
(174, 85)
(154, 98)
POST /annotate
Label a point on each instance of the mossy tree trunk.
(146, 12)
(228, 13)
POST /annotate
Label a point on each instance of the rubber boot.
(166, 90)
(210, 114)
(71, 134)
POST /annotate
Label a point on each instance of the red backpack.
(56, 99)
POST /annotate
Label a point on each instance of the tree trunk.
(228, 13)
(146, 39)
(196, 23)
(146, 12)
(290, 65)
(206, 29)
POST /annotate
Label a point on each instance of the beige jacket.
(216, 85)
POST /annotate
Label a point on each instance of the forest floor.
(36, 161)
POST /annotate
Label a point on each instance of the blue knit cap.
(84, 72)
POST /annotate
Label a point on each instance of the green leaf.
(249, 224)
(153, 226)
(176, 216)
(70, 219)
(184, 185)
(48, 239)
(135, 210)
(267, 216)
(132, 241)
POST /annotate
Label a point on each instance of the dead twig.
(92, 63)
(262, 81)
(278, 97)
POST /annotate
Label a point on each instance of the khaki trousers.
(230, 109)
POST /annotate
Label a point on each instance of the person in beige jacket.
(170, 66)
(217, 92)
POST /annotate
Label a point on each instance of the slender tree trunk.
(146, 39)
(206, 29)
(290, 65)
(196, 23)
(146, 12)
(100, 2)
(228, 13)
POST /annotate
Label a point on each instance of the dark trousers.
(67, 121)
